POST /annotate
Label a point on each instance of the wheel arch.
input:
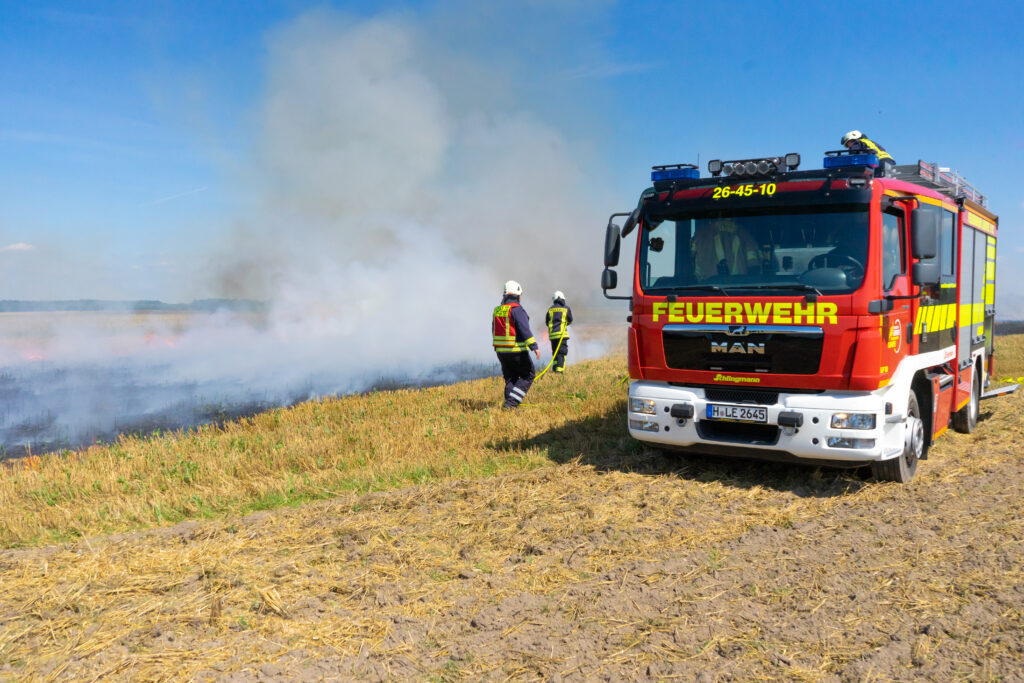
(922, 388)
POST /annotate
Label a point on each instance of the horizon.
(149, 150)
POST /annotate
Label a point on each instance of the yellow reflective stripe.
(952, 208)
(981, 223)
(936, 318)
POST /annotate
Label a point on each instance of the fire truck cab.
(826, 316)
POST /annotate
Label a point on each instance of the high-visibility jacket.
(865, 144)
(508, 336)
(558, 318)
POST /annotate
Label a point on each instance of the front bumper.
(808, 441)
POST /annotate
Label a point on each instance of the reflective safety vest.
(504, 330)
(558, 319)
(876, 149)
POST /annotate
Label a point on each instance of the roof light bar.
(753, 167)
(674, 172)
(842, 158)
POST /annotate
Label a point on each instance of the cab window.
(893, 249)
(947, 235)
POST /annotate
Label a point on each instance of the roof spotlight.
(715, 167)
(750, 167)
(792, 161)
(764, 166)
(728, 169)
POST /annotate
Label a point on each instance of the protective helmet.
(556, 296)
(852, 135)
(514, 288)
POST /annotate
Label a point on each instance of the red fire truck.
(830, 316)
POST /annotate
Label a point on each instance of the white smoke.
(392, 206)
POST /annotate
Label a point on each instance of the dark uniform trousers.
(559, 352)
(518, 371)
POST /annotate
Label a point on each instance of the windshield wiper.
(783, 285)
(710, 288)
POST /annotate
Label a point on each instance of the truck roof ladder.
(949, 183)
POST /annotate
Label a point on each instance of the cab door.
(897, 323)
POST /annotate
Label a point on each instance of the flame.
(151, 338)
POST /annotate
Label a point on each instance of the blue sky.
(127, 129)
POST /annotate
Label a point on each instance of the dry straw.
(462, 541)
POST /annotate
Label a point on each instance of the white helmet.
(852, 135)
(556, 296)
(514, 288)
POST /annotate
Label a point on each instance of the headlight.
(641, 405)
(853, 421)
(643, 425)
(843, 442)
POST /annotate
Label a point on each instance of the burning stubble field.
(427, 534)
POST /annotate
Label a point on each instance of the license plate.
(717, 411)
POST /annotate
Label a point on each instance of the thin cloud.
(601, 70)
(177, 196)
(18, 246)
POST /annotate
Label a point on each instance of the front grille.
(760, 349)
(766, 398)
(738, 432)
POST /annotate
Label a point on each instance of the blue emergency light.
(840, 161)
(674, 172)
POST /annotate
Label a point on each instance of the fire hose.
(554, 355)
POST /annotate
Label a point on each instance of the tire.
(966, 419)
(902, 468)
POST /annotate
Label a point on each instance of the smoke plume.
(396, 185)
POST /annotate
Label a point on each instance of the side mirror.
(609, 279)
(611, 245)
(631, 222)
(924, 233)
(925, 273)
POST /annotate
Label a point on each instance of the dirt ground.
(639, 566)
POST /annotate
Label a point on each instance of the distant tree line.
(197, 306)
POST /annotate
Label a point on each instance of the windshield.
(823, 250)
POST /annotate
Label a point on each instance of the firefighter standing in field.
(558, 319)
(855, 141)
(513, 341)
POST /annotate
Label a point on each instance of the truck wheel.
(903, 468)
(966, 419)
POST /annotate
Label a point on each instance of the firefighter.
(855, 141)
(558, 319)
(721, 247)
(513, 341)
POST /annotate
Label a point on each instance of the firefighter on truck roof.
(856, 141)
(558, 319)
(513, 341)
